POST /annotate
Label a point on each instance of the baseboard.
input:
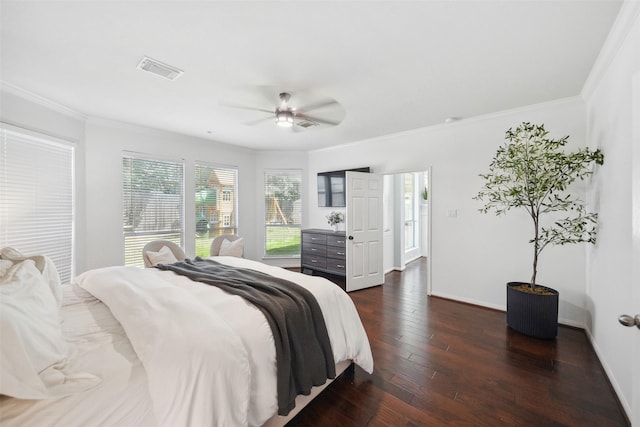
(571, 323)
(389, 270)
(626, 406)
(561, 321)
(468, 301)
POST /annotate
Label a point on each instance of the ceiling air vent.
(159, 68)
(306, 123)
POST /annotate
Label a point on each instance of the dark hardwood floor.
(440, 362)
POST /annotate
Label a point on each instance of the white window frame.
(145, 237)
(60, 247)
(267, 224)
(219, 222)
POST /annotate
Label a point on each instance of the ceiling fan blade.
(243, 107)
(317, 120)
(255, 122)
(317, 105)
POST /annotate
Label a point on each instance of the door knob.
(350, 237)
(628, 320)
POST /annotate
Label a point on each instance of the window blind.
(37, 197)
(283, 212)
(153, 203)
(216, 204)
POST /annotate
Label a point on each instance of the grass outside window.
(282, 241)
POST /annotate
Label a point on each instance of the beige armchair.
(217, 243)
(155, 246)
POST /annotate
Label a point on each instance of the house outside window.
(153, 203)
(216, 204)
(283, 212)
(37, 201)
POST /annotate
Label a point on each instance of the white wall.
(610, 120)
(473, 255)
(105, 143)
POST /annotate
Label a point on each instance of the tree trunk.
(535, 253)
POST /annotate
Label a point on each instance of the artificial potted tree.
(531, 171)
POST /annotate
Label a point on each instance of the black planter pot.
(532, 314)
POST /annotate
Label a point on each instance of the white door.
(364, 230)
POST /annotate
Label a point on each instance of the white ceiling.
(392, 66)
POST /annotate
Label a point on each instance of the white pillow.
(33, 352)
(5, 265)
(229, 248)
(163, 256)
(44, 265)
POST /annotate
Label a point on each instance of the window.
(283, 213)
(153, 203)
(216, 204)
(37, 197)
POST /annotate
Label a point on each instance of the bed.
(148, 347)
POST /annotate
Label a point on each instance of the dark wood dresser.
(324, 251)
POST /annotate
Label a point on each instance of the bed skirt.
(302, 400)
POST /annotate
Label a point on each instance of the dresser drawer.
(336, 252)
(314, 238)
(337, 265)
(314, 261)
(323, 251)
(314, 249)
(336, 241)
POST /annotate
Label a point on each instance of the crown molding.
(40, 100)
(160, 133)
(627, 18)
(461, 122)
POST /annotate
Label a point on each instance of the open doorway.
(406, 218)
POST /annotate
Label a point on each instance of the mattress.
(130, 391)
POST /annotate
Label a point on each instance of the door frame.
(428, 225)
(635, 244)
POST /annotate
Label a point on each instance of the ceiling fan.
(287, 115)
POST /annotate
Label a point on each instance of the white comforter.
(209, 356)
(192, 378)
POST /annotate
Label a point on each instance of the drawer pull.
(313, 249)
(340, 266)
(313, 260)
(340, 253)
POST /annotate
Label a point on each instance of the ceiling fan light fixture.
(284, 118)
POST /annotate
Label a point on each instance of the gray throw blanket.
(303, 352)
